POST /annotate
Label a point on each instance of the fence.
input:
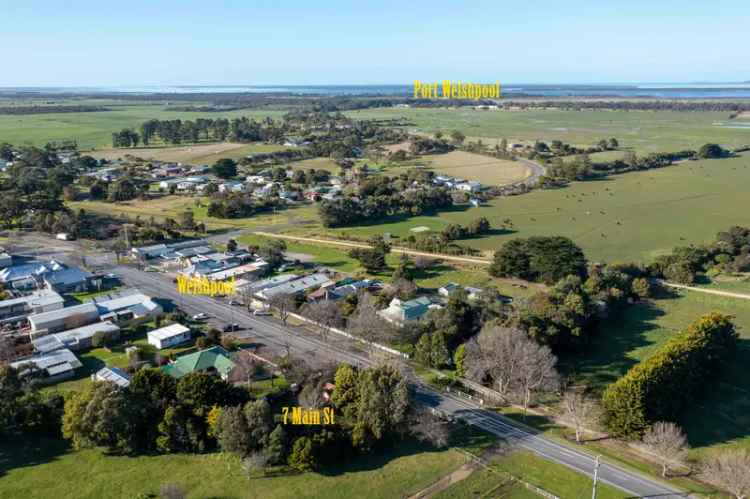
(351, 337)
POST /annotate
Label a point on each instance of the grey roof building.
(63, 319)
(75, 339)
(112, 375)
(68, 280)
(37, 302)
(295, 286)
(54, 366)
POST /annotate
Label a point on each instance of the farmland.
(94, 130)
(487, 170)
(642, 131)
(634, 216)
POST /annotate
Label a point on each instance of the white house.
(470, 186)
(169, 336)
(232, 186)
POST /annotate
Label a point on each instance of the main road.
(275, 334)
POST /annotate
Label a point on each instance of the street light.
(596, 476)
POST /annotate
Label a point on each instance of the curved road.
(537, 171)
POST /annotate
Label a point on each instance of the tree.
(259, 422)
(641, 287)
(284, 305)
(667, 442)
(536, 371)
(232, 432)
(187, 220)
(711, 151)
(546, 259)
(231, 245)
(367, 323)
(383, 403)
(729, 469)
(302, 457)
(457, 137)
(325, 313)
(427, 427)
(346, 397)
(493, 356)
(225, 168)
(373, 258)
(459, 360)
(276, 447)
(579, 410)
(273, 252)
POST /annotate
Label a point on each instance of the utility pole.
(596, 477)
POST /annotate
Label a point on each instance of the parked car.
(231, 327)
(261, 312)
(200, 317)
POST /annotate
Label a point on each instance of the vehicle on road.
(200, 317)
(231, 327)
(261, 312)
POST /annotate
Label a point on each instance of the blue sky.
(73, 43)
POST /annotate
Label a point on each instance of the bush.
(660, 387)
(546, 259)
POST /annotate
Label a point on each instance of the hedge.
(660, 387)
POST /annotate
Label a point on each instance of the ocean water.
(699, 90)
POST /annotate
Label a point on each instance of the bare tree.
(423, 262)
(667, 442)
(536, 372)
(7, 348)
(493, 356)
(430, 428)
(284, 304)
(730, 470)
(325, 313)
(367, 324)
(580, 409)
(254, 462)
(245, 368)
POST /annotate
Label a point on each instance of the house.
(295, 286)
(37, 302)
(68, 280)
(255, 179)
(212, 360)
(470, 186)
(256, 267)
(26, 275)
(156, 250)
(112, 375)
(399, 311)
(54, 366)
(127, 307)
(447, 289)
(169, 336)
(108, 174)
(474, 293)
(232, 186)
(77, 339)
(62, 319)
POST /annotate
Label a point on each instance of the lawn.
(635, 333)
(557, 479)
(46, 468)
(633, 216)
(643, 131)
(94, 130)
(196, 154)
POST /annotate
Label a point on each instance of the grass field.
(487, 170)
(94, 130)
(643, 131)
(46, 468)
(193, 154)
(552, 477)
(723, 416)
(633, 216)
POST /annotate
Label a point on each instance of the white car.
(200, 317)
(261, 312)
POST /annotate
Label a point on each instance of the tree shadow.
(21, 451)
(606, 357)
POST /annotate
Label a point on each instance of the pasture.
(94, 130)
(195, 154)
(642, 131)
(469, 166)
(32, 468)
(633, 216)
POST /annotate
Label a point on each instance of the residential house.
(126, 307)
(16, 309)
(54, 366)
(62, 319)
(77, 339)
(112, 375)
(69, 280)
(232, 186)
(295, 286)
(212, 360)
(157, 250)
(399, 312)
(470, 186)
(447, 289)
(169, 336)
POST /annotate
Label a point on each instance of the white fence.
(352, 337)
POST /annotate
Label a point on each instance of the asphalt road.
(272, 333)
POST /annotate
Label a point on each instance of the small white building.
(169, 336)
(112, 375)
(471, 186)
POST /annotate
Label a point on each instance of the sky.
(290, 42)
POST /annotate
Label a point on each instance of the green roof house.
(399, 312)
(214, 359)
